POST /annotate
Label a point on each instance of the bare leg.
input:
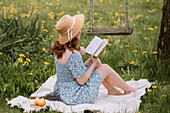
(111, 90)
(113, 78)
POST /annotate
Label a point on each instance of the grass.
(144, 17)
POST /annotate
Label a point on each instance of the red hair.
(59, 49)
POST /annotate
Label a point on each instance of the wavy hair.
(59, 49)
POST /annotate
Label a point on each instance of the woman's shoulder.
(64, 58)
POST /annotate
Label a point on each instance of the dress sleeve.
(76, 65)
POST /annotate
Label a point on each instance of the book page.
(104, 43)
(94, 45)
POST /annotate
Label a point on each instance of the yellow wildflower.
(122, 14)
(109, 44)
(112, 17)
(85, 11)
(145, 38)
(155, 52)
(121, 5)
(20, 59)
(25, 62)
(50, 3)
(132, 62)
(42, 27)
(134, 51)
(58, 0)
(98, 20)
(101, 1)
(93, 20)
(147, 0)
(95, 13)
(51, 36)
(149, 90)
(45, 30)
(117, 14)
(115, 22)
(22, 55)
(144, 52)
(114, 26)
(156, 27)
(43, 49)
(154, 86)
(37, 38)
(28, 59)
(46, 63)
(107, 39)
(118, 20)
(127, 46)
(150, 28)
(1, 53)
(1, 2)
(30, 74)
(43, 21)
(78, 12)
(111, 13)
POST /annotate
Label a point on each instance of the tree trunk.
(164, 37)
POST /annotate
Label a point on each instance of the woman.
(78, 82)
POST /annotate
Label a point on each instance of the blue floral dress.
(66, 85)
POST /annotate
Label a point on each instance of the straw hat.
(68, 27)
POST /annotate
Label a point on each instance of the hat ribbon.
(70, 29)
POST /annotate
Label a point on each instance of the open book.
(96, 46)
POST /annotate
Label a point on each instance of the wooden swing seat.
(110, 31)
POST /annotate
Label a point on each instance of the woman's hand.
(82, 50)
(94, 60)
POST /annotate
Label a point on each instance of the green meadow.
(27, 33)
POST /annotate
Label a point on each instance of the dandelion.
(117, 14)
(109, 44)
(95, 13)
(107, 39)
(78, 12)
(28, 59)
(114, 26)
(156, 27)
(1, 53)
(43, 49)
(50, 3)
(132, 62)
(121, 5)
(46, 63)
(112, 17)
(118, 20)
(111, 13)
(145, 38)
(93, 20)
(115, 22)
(45, 30)
(147, 0)
(101, 1)
(154, 86)
(98, 20)
(1, 2)
(85, 11)
(144, 52)
(127, 46)
(56, 22)
(58, 0)
(43, 21)
(150, 28)
(134, 51)
(36, 38)
(20, 59)
(155, 52)
(25, 62)
(149, 90)
(51, 36)
(122, 14)
(21, 55)
(30, 74)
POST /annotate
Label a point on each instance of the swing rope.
(92, 15)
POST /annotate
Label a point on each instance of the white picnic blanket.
(104, 103)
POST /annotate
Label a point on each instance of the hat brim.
(79, 21)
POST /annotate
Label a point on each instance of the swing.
(108, 31)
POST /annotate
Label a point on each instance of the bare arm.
(83, 79)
